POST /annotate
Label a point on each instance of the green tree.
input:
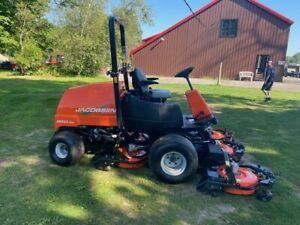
(27, 26)
(30, 57)
(82, 37)
(7, 41)
(65, 3)
(7, 16)
(294, 59)
(133, 13)
(80, 31)
(23, 18)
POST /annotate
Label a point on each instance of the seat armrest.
(152, 78)
(147, 82)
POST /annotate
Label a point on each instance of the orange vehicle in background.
(55, 59)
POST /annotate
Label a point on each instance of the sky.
(168, 12)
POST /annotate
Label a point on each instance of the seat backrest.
(137, 77)
(198, 106)
(142, 115)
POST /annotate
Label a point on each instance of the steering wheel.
(185, 73)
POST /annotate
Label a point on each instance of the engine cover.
(91, 105)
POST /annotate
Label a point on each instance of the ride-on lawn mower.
(127, 127)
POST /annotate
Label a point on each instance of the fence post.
(220, 74)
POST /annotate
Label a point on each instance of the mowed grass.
(35, 191)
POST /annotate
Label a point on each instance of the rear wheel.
(173, 159)
(66, 148)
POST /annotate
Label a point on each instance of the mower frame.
(114, 62)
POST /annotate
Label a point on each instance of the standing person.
(268, 81)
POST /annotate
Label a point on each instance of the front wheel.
(66, 148)
(173, 159)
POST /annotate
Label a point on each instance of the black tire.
(163, 147)
(72, 145)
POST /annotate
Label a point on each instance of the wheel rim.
(61, 150)
(173, 163)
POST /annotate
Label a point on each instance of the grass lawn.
(35, 191)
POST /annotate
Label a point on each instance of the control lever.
(112, 74)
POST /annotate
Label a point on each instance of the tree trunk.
(22, 71)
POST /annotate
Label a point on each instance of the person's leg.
(269, 90)
(265, 92)
(269, 95)
(266, 88)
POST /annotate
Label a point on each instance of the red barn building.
(242, 34)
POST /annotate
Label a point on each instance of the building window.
(228, 28)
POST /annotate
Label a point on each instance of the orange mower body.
(89, 105)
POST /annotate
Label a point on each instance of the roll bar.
(114, 73)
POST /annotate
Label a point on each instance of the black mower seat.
(139, 82)
(139, 114)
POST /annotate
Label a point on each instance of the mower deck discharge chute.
(127, 127)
